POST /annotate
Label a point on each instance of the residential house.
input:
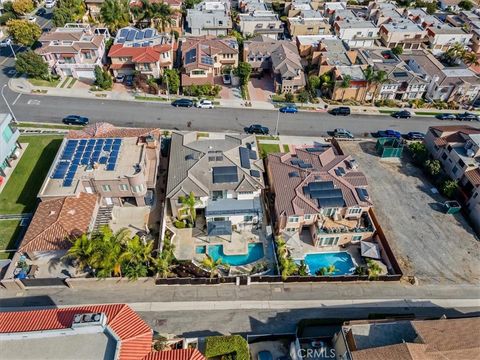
(403, 84)
(224, 173)
(381, 12)
(295, 7)
(421, 17)
(93, 8)
(357, 33)
(205, 57)
(308, 44)
(145, 51)
(118, 164)
(443, 37)
(457, 83)
(74, 50)
(308, 22)
(476, 40)
(260, 22)
(248, 6)
(210, 17)
(280, 58)
(408, 339)
(176, 17)
(467, 19)
(404, 33)
(318, 189)
(104, 331)
(458, 149)
(451, 5)
(9, 145)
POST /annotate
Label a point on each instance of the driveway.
(433, 246)
(228, 92)
(261, 89)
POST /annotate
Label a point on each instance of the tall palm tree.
(162, 15)
(81, 251)
(115, 14)
(345, 84)
(108, 249)
(470, 58)
(137, 252)
(162, 265)
(288, 267)
(380, 78)
(454, 53)
(282, 249)
(213, 266)
(188, 204)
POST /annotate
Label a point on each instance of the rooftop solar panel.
(148, 33)
(325, 194)
(321, 185)
(117, 141)
(103, 160)
(207, 60)
(110, 167)
(293, 174)
(83, 142)
(84, 161)
(139, 35)
(225, 174)
(244, 157)
(305, 165)
(131, 35)
(252, 154)
(191, 56)
(67, 182)
(255, 173)
(295, 161)
(331, 202)
(123, 32)
(108, 141)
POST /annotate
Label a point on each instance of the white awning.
(370, 250)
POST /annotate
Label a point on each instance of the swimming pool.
(255, 252)
(342, 260)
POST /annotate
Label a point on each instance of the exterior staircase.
(104, 216)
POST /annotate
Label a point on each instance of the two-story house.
(458, 149)
(210, 17)
(225, 174)
(457, 83)
(280, 58)
(260, 22)
(118, 164)
(443, 37)
(145, 51)
(404, 33)
(74, 50)
(322, 191)
(9, 145)
(357, 33)
(176, 19)
(308, 22)
(205, 57)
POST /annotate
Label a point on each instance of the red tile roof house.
(457, 147)
(204, 57)
(112, 331)
(320, 190)
(146, 51)
(74, 50)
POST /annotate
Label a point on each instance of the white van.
(50, 4)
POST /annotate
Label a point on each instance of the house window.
(329, 212)
(88, 190)
(449, 148)
(106, 188)
(220, 218)
(248, 218)
(87, 55)
(290, 229)
(355, 210)
(123, 187)
(329, 241)
(7, 134)
(308, 217)
(455, 170)
(293, 219)
(137, 188)
(444, 156)
(245, 192)
(461, 163)
(217, 195)
(357, 238)
(198, 72)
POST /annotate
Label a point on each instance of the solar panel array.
(325, 193)
(301, 164)
(191, 56)
(225, 174)
(244, 157)
(129, 34)
(207, 60)
(255, 173)
(86, 152)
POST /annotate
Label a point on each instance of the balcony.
(365, 37)
(327, 225)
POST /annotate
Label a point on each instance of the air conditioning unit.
(89, 319)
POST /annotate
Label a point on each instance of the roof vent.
(52, 213)
(71, 212)
(89, 319)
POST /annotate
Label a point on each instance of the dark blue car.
(290, 109)
(389, 134)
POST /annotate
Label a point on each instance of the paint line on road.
(16, 99)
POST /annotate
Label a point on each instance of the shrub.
(224, 345)
(289, 97)
(103, 79)
(433, 167)
(5, 17)
(449, 188)
(419, 152)
(32, 64)
(303, 96)
(179, 224)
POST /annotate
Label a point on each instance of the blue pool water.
(342, 260)
(255, 252)
(201, 249)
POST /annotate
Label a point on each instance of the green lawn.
(40, 82)
(266, 149)
(9, 230)
(20, 193)
(150, 98)
(48, 126)
(286, 148)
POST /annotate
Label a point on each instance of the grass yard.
(40, 82)
(286, 148)
(266, 149)
(48, 126)
(19, 195)
(149, 98)
(9, 230)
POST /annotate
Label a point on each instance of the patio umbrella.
(370, 250)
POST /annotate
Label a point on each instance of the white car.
(32, 19)
(49, 4)
(204, 104)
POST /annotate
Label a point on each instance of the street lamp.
(8, 105)
(8, 42)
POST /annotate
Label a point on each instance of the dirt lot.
(433, 246)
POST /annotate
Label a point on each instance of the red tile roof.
(181, 354)
(148, 54)
(106, 130)
(134, 334)
(473, 176)
(57, 220)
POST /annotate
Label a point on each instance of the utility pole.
(8, 105)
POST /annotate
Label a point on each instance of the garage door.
(87, 74)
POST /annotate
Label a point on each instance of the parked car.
(403, 114)
(342, 110)
(50, 4)
(129, 80)
(257, 129)
(290, 109)
(75, 120)
(415, 135)
(342, 133)
(32, 19)
(264, 355)
(183, 103)
(40, 12)
(204, 104)
(389, 134)
(466, 116)
(227, 79)
(120, 78)
(446, 116)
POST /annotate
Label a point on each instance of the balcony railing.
(344, 230)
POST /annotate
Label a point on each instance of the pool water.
(201, 249)
(342, 260)
(255, 252)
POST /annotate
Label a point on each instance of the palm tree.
(162, 265)
(81, 251)
(213, 266)
(380, 78)
(108, 249)
(115, 14)
(282, 249)
(162, 15)
(345, 84)
(470, 58)
(137, 252)
(331, 269)
(369, 74)
(374, 269)
(454, 53)
(188, 204)
(288, 267)
(302, 268)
